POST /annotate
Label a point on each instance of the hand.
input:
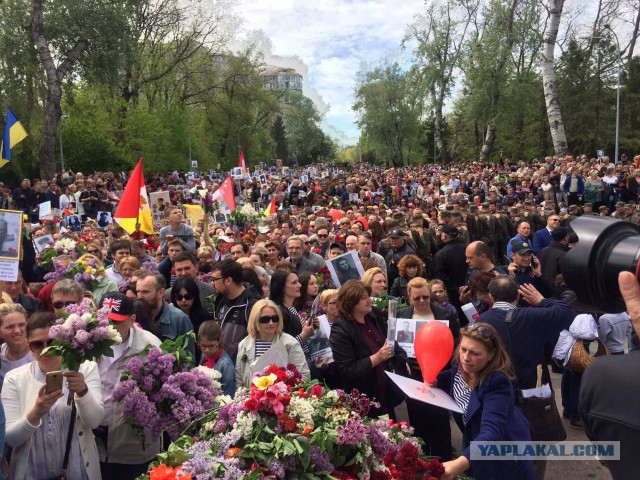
(630, 291)
(455, 467)
(75, 381)
(529, 294)
(512, 269)
(536, 267)
(385, 353)
(168, 238)
(465, 295)
(307, 330)
(43, 404)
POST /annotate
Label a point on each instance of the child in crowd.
(213, 356)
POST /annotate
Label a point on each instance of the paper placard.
(424, 393)
(406, 329)
(9, 270)
(345, 267)
(44, 211)
(319, 345)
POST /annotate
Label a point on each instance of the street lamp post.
(240, 146)
(608, 27)
(189, 129)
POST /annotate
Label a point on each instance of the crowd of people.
(435, 238)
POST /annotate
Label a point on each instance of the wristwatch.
(82, 393)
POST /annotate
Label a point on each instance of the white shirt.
(110, 374)
(113, 274)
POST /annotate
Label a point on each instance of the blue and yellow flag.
(14, 133)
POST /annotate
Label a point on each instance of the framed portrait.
(159, 202)
(74, 223)
(345, 267)
(42, 242)
(194, 164)
(10, 234)
(237, 173)
(219, 217)
(44, 211)
(104, 219)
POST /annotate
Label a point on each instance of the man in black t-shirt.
(89, 199)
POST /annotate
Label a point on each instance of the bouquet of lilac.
(85, 272)
(46, 259)
(161, 393)
(81, 334)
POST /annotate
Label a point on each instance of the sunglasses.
(267, 319)
(59, 305)
(93, 252)
(186, 296)
(421, 298)
(323, 236)
(39, 345)
(484, 332)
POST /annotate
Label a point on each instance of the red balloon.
(335, 214)
(433, 347)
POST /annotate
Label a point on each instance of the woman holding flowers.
(38, 423)
(360, 349)
(266, 336)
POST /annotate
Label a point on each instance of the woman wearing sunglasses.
(265, 337)
(186, 296)
(39, 423)
(480, 383)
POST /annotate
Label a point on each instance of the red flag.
(241, 162)
(226, 192)
(271, 209)
(134, 204)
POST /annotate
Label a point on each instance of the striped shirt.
(461, 394)
(303, 342)
(261, 348)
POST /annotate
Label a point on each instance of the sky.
(333, 37)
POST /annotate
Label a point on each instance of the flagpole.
(138, 209)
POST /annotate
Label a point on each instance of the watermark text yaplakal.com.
(545, 450)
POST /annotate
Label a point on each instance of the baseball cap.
(520, 247)
(397, 234)
(450, 230)
(120, 306)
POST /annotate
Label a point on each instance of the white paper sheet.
(542, 392)
(424, 393)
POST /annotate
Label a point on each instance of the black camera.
(605, 248)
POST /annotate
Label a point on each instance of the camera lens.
(605, 248)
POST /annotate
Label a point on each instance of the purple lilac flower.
(320, 460)
(379, 443)
(352, 433)
(149, 265)
(277, 468)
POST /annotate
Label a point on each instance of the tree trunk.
(53, 109)
(551, 97)
(634, 37)
(487, 146)
(437, 132)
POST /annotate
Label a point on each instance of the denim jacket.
(227, 369)
(173, 322)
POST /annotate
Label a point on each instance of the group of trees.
(130, 78)
(519, 78)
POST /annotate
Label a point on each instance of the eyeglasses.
(484, 332)
(186, 296)
(215, 279)
(267, 319)
(421, 298)
(39, 345)
(322, 235)
(213, 347)
(93, 252)
(307, 243)
(59, 305)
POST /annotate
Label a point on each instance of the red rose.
(252, 404)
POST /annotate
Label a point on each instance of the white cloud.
(332, 37)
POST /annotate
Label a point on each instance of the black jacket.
(450, 266)
(551, 258)
(233, 316)
(30, 304)
(610, 410)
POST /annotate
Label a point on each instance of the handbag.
(542, 413)
(580, 359)
(67, 450)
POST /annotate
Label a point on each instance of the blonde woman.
(376, 280)
(15, 351)
(265, 336)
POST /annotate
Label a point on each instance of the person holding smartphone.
(526, 268)
(47, 434)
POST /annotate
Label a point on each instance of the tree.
(551, 97)
(389, 110)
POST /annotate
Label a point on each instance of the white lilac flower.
(112, 334)
(302, 409)
(224, 400)
(244, 424)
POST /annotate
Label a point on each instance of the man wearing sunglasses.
(113, 437)
(313, 258)
(66, 292)
(542, 237)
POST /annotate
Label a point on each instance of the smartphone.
(53, 382)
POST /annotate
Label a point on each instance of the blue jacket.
(492, 415)
(531, 329)
(541, 239)
(173, 322)
(519, 238)
(225, 366)
(567, 184)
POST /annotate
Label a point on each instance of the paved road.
(556, 470)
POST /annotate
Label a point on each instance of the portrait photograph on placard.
(10, 234)
(104, 219)
(159, 201)
(319, 346)
(219, 217)
(41, 242)
(345, 267)
(406, 334)
(74, 223)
